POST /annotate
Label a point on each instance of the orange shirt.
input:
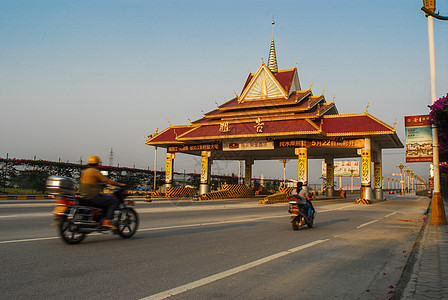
(90, 182)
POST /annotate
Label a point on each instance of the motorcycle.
(298, 211)
(76, 217)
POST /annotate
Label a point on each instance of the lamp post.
(284, 161)
(408, 171)
(437, 208)
(401, 167)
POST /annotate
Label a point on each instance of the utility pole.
(111, 157)
(437, 209)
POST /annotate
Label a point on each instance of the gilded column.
(248, 171)
(205, 172)
(378, 176)
(366, 189)
(330, 176)
(169, 171)
(302, 154)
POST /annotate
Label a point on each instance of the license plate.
(60, 209)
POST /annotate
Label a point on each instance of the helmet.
(93, 160)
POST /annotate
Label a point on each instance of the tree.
(439, 117)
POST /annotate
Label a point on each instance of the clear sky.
(81, 77)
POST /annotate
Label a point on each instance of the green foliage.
(31, 179)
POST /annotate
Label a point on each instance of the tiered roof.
(273, 105)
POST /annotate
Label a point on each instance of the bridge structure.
(275, 118)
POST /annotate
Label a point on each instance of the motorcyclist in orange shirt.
(91, 179)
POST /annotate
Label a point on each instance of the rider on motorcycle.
(91, 179)
(305, 195)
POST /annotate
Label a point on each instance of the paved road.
(230, 249)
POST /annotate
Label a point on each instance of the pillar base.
(437, 210)
(329, 192)
(365, 193)
(378, 194)
(204, 189)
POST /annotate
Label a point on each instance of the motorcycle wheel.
(295, 223)
(310, 223)
(127, 225)
(67, 233)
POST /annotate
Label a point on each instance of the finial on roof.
(272, 62)
(367, 107)
(323, 92)
(216, 102)
(188, 119)
(395, 123)
(169, 122)
(311, 85)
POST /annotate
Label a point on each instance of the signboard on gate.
(349, 168)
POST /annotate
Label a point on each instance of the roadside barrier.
(238, 190)
(172, 192)
(281, 196)
(228, 191)
(363, 201)
(213, 195)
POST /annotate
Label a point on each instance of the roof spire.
(272, 62)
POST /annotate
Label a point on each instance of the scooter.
(298, 212)
(76, 217)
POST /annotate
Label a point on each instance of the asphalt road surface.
(232, 249)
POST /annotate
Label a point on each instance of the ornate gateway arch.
(274, 118)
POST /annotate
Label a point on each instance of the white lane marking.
(230, 272)
(27, 215)
(374, 221)
(29, 240)
(368, 223)
(177, 226)
(211, 223)
(391, 214)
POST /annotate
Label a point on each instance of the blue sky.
(81, 77)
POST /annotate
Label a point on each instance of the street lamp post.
(401, 167)
(408, 171)
(284, 161)
(437, 208)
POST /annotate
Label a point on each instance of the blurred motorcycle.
(76, 217)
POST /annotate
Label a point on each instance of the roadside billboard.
(418, 139)
(349, 168)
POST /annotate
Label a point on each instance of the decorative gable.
(295, 86)
(263, 86)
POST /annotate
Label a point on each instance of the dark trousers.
(107, 203)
